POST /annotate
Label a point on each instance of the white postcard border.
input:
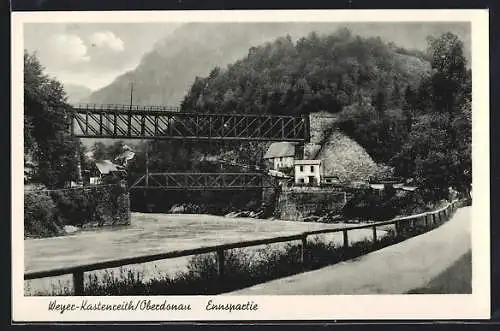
(354, 307)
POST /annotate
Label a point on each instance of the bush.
(99, 204)
(74, 207)
(47, 211)
(40, 215)
(369, 204)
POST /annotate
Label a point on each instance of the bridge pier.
(269, 201)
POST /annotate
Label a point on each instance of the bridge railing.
(433, 218)
(110, 106)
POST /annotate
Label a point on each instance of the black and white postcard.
(250, 165)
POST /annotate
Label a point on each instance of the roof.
(280, 149)
(209, 158)
(377, 186)
(126, 155)
(307, 162)
(279, 174)
(409, 188)
(106, 166)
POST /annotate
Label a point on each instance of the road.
(401, 268)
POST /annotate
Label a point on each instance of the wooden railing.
(433, 218)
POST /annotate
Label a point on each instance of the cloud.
(107, 39)
(69, 46)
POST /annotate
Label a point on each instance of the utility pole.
(147, 163)
(145, 192)
(129, 121)
(131, 93)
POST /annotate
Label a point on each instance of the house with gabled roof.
(281, 155)
(101, 169)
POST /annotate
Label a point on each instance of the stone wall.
(341, 156)
(295, 203)
(320, 124)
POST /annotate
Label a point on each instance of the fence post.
(220, 263)
(304, 252)
(346, 239)
(78, 285)
(374, 229)
(396, 229)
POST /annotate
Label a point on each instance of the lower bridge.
(204, 181)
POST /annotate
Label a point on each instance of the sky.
(92, 55)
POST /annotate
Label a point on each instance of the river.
(154, 233)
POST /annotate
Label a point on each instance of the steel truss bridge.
(157, 122)
(204, 181)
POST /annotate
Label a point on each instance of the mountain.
(165, 73)
(76, 93)
(314, 73)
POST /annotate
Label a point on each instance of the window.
(312, 168)
(301, 168)
(281, 159)
(301, 180)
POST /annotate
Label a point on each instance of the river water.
(154, 233)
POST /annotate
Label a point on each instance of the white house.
(281, 155)
(307, 172)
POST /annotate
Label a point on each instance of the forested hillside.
(312, 74)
